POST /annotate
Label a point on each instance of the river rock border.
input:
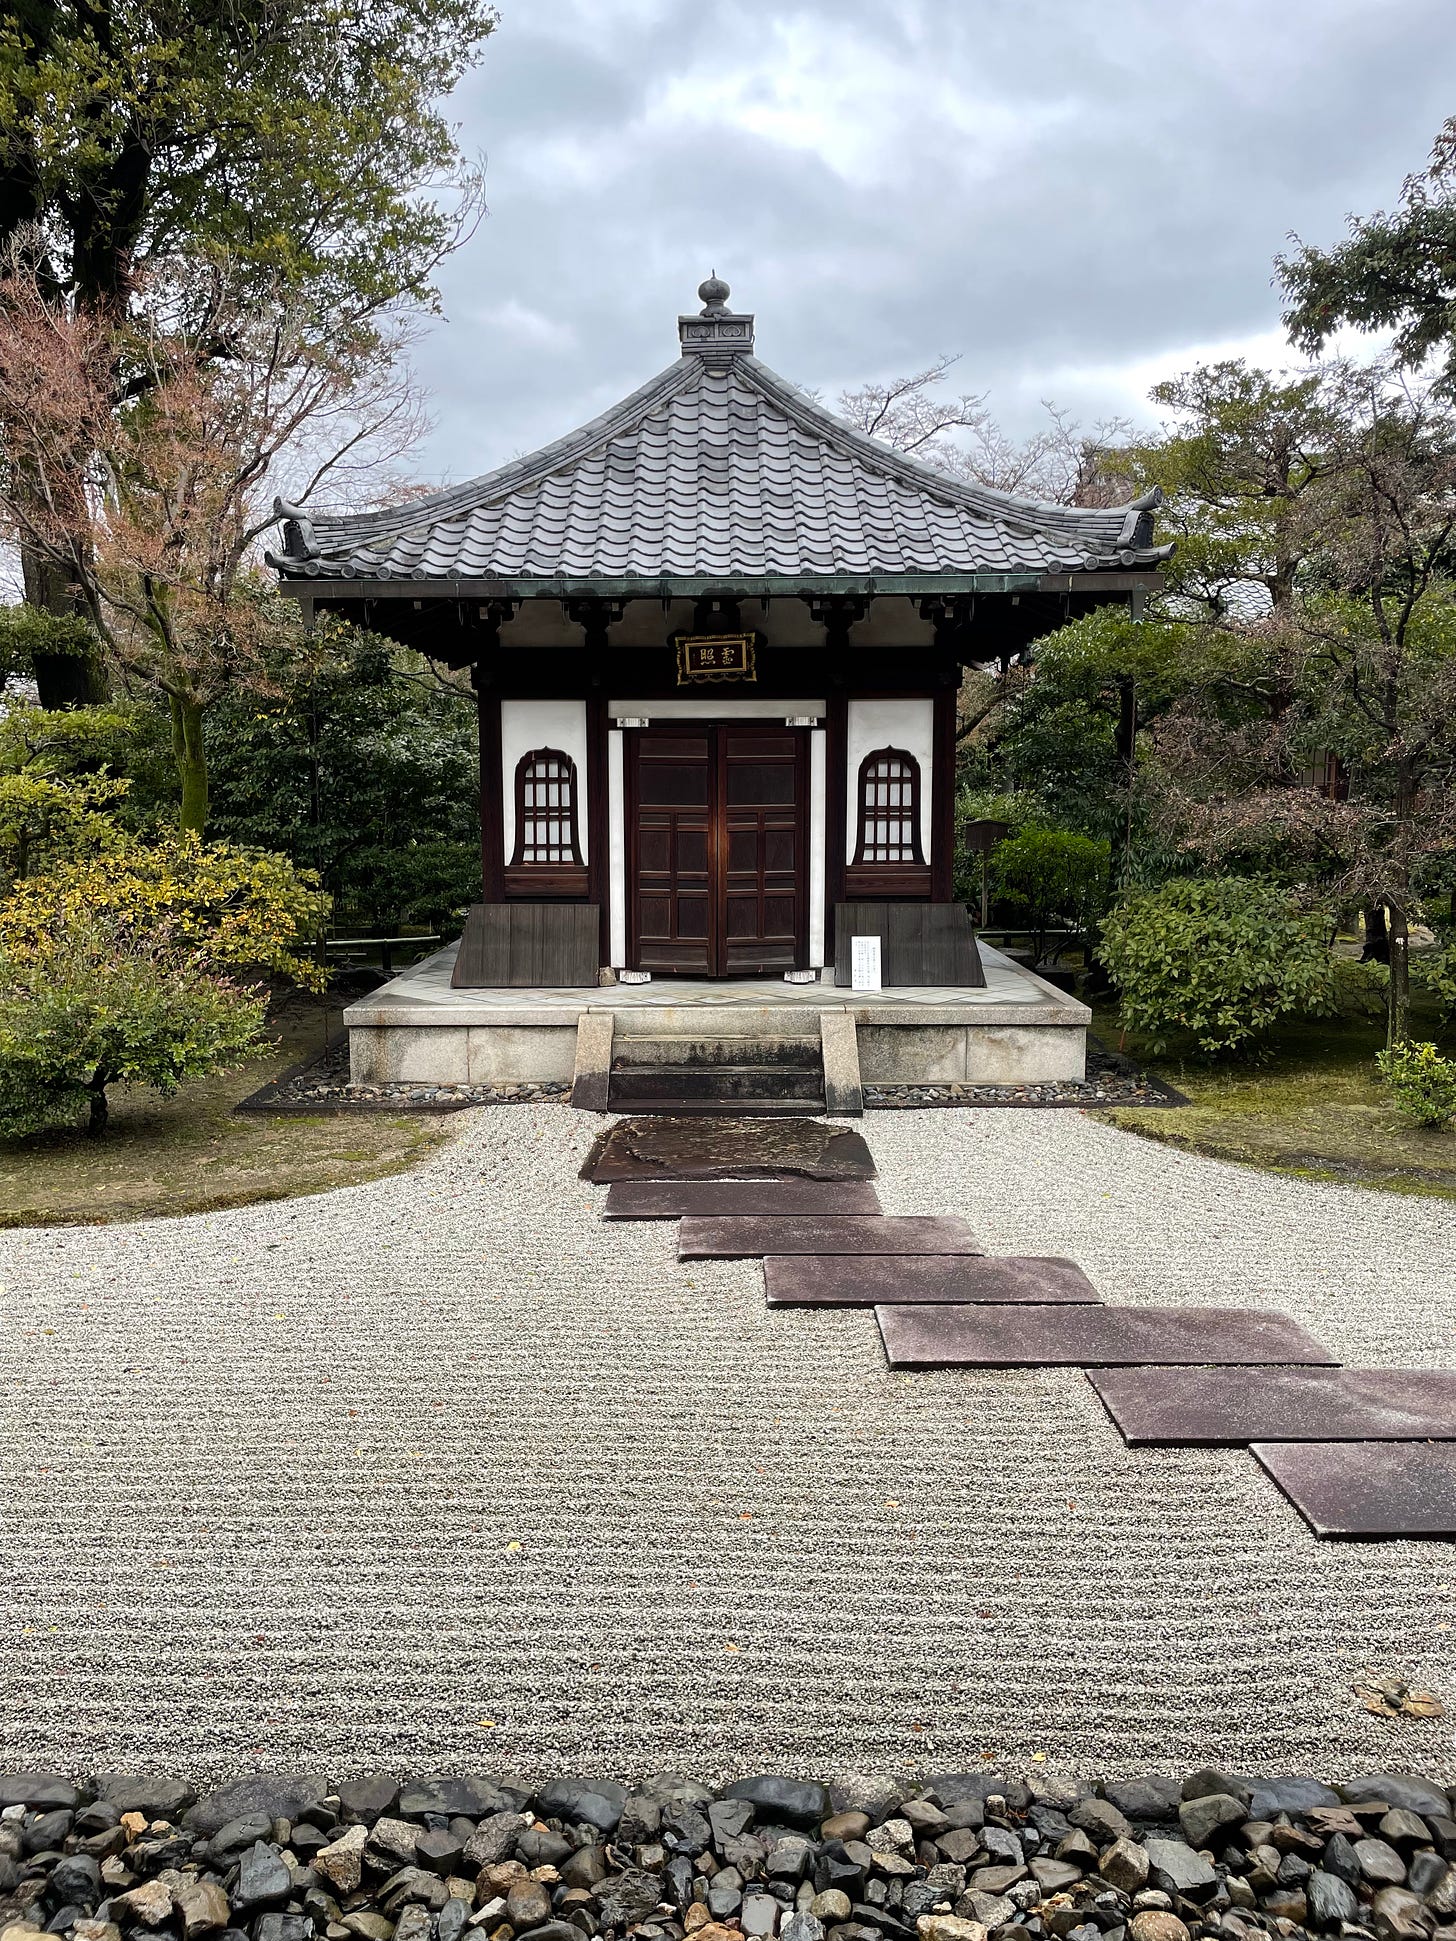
(956, 1857)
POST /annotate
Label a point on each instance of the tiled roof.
(717, 468)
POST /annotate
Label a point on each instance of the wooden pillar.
(942, 791)
(492, 817)
(598, 838)
(954, 619)
(594, 617)
(836, 613)
(489, 620)
(836, 806)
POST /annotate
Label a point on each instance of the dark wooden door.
(718, 861)
(672, 775)
(763, 855)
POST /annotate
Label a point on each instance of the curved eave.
(317, 586)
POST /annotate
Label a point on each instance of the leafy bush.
(99, 1004)
(1435, 969)
(1221, 958)
(1052, 873)
(1423, 1082)
(230, 910)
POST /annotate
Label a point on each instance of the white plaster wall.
(542, 724)
(889, 724)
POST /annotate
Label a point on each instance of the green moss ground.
(190, 1153)
(1314, 1106)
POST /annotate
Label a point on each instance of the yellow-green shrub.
(227, 909)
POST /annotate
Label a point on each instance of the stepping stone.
(670, 1199)
(1367, 1489)
(728, 1239)
(1089, 1337)
(1230, 1406)
(711, 1148)
(820, 1280)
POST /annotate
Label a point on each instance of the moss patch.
(1315, 1106)
(189, 1153)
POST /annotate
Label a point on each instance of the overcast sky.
(1080, 196)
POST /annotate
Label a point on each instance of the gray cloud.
(1075, 194)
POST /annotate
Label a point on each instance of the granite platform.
(419, 1029)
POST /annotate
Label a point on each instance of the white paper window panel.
(542, 724)
(907, 724)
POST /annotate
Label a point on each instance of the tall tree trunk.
(191, 759)
(61, 680)
(1397, 1025)
(1377, 937)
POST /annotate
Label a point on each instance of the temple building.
(716, 637)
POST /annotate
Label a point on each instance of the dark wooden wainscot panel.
(920, 943)
(551, 945)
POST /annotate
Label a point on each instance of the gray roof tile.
(708, 470)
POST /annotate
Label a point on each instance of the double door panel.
(718, 853)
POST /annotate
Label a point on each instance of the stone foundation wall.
(944, 1054)
(461, 1055)
(940, 1054)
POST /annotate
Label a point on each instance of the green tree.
(1369, 647)
(1237, 460)
(301, 141)
(1396, 271)
(363, 767)
(1052, 873)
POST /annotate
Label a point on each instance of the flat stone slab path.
(1236, 1406)
(668, 1199)
(710, 1147)
(874, 1280)
(1090, 1337)
(730, 1239)
(1382, 1489)
(446, 1473)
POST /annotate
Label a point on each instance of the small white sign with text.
(864, 963)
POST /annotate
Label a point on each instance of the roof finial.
(715, 294)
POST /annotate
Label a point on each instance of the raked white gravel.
(444, 1473)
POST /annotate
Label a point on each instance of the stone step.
(1091, 1337)
(1228, 1407)
(819, 1280)
(630, 1054)
(751, 1084)
(723, 1108)
(1367, 1489)
(654, 1199)
(738, 1239)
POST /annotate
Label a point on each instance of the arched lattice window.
(889, 809)
(547, 859)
